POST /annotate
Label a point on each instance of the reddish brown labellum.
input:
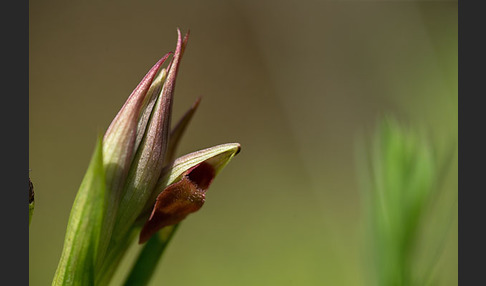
(179, 199)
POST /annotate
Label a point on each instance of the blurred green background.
(295, 82)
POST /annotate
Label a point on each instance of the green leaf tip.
(31, 200)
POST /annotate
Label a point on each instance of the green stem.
(113, 258)
(150, 255)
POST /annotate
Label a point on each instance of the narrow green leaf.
(76, 266)
(149, 257)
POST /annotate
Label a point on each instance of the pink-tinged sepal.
(119, 150)
(149, 159)
(119, 139)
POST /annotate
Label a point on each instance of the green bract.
(133, 182)
(76, 266)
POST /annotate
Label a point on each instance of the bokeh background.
(295, 82)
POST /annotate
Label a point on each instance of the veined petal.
(148, 105)
(217, 156)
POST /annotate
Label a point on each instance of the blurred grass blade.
(400, 176)
(76, 266)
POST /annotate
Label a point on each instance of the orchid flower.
(134, 186)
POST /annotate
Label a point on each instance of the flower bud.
(119, 139)
(148, 162)
(119, 144)
(133, 180)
